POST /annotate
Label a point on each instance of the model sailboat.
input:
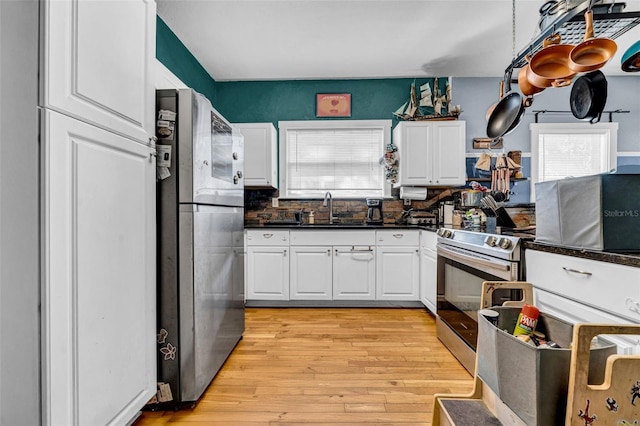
(431, 105)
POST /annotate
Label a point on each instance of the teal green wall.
(175, 56)
(264, 101)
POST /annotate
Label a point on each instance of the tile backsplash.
(258, 208)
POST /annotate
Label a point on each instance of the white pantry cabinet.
(260, 154)
(98, 211)
(267, 265)
(428, 269)
(98, 301)
(397, 265)
(430, 153)
(98, 63)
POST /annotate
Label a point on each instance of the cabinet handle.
(355, 250)
(284, 252)
(267, 235)
(329, 252)
(577, 271)
(398, 235)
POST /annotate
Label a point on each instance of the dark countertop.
(629, 259)
(338, 226)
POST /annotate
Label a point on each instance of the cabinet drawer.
(333, 238)
(575, 312)
(267, 237)
(398, 238)
(606, 286)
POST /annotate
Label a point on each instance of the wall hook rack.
(547, 111)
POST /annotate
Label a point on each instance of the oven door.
(460, 277)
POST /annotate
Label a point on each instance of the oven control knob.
(492, 241)
(504, 243)
(445, 233)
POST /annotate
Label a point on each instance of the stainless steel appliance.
(200, 242)
(374, 211)
(464, 260)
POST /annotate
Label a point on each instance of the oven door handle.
(471, 259)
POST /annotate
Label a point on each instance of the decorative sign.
(333, 105)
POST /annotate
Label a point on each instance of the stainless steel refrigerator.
(200, 243)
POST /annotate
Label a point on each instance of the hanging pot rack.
(571, 27)
(547, 111)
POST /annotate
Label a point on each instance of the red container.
(527, 320)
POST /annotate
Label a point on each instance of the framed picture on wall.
(333, 105)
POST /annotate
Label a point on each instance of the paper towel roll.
(413, 193)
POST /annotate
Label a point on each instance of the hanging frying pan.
(631, 59)
(588, 96)
(507, 114)
(592, 53)
(550, 65)
(492, 107)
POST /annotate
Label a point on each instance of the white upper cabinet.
(260, 154)
(99, 62)
(430, 153)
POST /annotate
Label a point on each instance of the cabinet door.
(448, 153)
(260, 158)
(99, 61)
(397, 275)
(267, 273)
(428, 270)
(354, 273)
(415, 151)
(311, 273)
(99, 291)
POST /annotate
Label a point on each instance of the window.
(337, 156)
(560, 150)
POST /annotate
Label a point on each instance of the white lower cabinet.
(428, 270)
(311, 273)
(397, 265)
(582, 290)
(267, 271)
(354, 273)
(356, 265)
(332, 265)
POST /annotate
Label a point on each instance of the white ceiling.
(237, 40)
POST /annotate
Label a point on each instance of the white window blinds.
(560, 150)
(564, 155)
(344, 161)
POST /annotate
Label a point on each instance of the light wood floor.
(327, 367)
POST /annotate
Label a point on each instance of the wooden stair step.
(469, 412)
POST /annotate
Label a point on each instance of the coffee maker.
(374, 211)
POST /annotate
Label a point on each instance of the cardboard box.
(532, 381)
(597, 212)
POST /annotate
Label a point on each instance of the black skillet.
(507, 113)
(588, 96)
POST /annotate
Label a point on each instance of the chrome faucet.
(328, 196)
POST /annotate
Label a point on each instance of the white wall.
(19, 218)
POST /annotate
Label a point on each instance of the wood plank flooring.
(328, 366)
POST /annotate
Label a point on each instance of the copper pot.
(592, 53)
(527, 89)
(550, 66)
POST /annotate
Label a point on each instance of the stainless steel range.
(465, 260)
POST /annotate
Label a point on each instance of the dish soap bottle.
(312, 218)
